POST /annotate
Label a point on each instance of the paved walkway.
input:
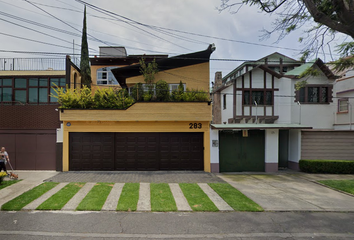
(292, 191)
(137, 177)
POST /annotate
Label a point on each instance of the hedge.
(327, 166)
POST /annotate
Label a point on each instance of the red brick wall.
(29, 117)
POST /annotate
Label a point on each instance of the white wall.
(60, 134)
(294, 145)
(283, 100)
(214, 151)
(228, 112)
(271, 145)
(343, 88)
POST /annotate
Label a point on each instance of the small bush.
(137, 92)
(162, 91)
(327, 166)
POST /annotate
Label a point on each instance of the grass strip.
(237, 200)
(343, 185)
(197, 198)
(5, 184)
(18, 203)
(129, 197)
(95, 199)
(162, 199)
(58, 200)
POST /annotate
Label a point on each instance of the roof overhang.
(121, 74)
(257, 126)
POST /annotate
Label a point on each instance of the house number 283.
(195, 125)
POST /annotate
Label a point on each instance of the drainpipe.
(350, 115)
(298, 103)
(255, 103)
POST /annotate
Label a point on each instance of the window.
(314, 94)
(224, 101)
(262, 97)
(343, 105)
(106, 77)
(174, 87)
(29, 90)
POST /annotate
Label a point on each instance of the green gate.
(242, 154)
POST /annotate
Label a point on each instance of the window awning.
(257, 126)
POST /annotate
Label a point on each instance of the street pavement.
(289, 191)
(39, 225)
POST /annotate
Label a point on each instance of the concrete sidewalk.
(30, 179)
(292, 191)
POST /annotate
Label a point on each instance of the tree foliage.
(328, 17)
(85, 60)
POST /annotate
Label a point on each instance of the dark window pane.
(7, 94)
(53, 99)
(54, 82)
(324, 96)
(33, 95)
(62, 82)
(313, 94)
(246, 97)
(302, 95)
(43, 82)
(20, 83)
(43, 95)
(0, 82)
(20, 96)
(257, 96)
(7, 82)
(33, 82)
(269, 98)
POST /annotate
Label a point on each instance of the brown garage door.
(136, 151)
(31, 151)
(327, 145)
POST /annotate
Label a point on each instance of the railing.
(34, 64)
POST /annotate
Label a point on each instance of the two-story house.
(29, 116)
(147, 135)
(260, 118)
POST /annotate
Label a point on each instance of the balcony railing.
(34, 64)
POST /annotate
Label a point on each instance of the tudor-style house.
(261, 122)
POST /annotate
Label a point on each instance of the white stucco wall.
(344, 89)
(60, 134)
(271, 145)
(228, 112)
(214, 150)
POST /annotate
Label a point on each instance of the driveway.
(292, 192)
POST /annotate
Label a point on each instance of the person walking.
(4, 156)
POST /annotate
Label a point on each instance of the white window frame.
(174, 86)
(343, 106)
(106, 81)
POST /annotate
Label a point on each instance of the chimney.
(218, 80)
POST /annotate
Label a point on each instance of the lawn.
(235, 198)
(18, 203)
(162, 199)
(5, 184)
(343, 185)
(196, 198)
(58, 200)
(95, 199)
(129, 197)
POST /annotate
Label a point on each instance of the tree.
(85, 60)
(328, 17)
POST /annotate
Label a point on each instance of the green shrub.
(162, 91)
(177, 95)
(137, 92)
(327, 166)
(107, 98)
(112, 98)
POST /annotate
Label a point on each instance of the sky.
(142, 27)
